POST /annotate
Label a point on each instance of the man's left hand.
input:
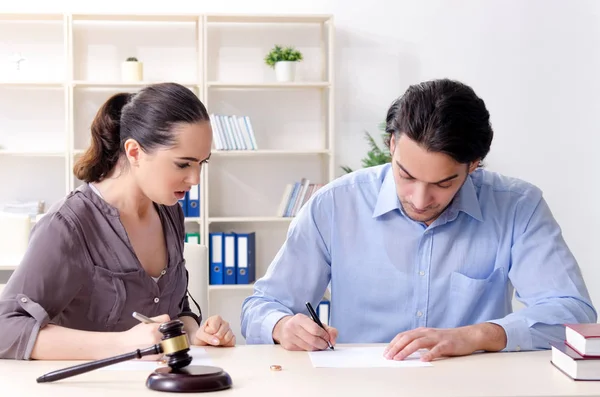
(446, 342)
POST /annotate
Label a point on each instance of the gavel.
(174, 344)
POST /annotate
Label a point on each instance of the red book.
(584, 338)
(573, 364)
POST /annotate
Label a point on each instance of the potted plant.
(283, 60)
(376, 155)
(132, 70)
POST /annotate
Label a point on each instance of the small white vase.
(132, 71)
(285, 71)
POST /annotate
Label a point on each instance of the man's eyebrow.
(434, 183)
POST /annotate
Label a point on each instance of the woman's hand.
(214, 332)
(142, 336)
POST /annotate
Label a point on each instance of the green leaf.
(375, 155)
(279, 53)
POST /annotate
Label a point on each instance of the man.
(425, 252)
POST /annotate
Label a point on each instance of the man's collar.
(465, 200)
(387, 200)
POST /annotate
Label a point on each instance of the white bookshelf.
(73, 65)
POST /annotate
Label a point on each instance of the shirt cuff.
(266, 330)
(518, 336)
(40, 316)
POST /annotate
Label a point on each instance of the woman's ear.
(132, 151)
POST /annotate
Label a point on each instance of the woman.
(114, 246)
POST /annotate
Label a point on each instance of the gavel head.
(175, 344)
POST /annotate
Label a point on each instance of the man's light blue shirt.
(390, 274)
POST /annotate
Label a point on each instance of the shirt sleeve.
(299, 273)
(547, 280)
(50, 275)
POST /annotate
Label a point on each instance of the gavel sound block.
(179, 376)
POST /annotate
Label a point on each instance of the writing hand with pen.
(141, 336)
(300, 332)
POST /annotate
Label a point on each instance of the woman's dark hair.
(443, 116)
(147, 116)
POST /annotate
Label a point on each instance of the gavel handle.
(87, 367)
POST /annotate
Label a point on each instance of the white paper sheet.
(361, 357)
(199, 355)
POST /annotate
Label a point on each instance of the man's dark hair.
(443, 116)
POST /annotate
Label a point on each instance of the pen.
(316, 320)
(142, 318)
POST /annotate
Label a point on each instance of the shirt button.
(419, 313)
(156, 300)
(421, 273)
(518, 348)
(163, 272)
(24, 300)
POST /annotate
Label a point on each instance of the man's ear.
(392, 144)
(132, 151)
(473, 166)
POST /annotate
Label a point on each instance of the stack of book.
(231, 132)
(190, 203)
(232, 258)
(578, 356)
(295, 196)
(31, 208)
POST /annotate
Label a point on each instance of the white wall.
(535, 63)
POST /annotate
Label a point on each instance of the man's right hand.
(143, 336)
(300, 332)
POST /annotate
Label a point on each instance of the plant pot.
(285, 71)
(132, 71)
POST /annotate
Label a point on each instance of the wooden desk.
(490, 374)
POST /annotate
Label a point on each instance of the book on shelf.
(192, 238)
(30, 208)
(295, 195)
(190, 203)
(232, 258)
(323, 311)
(232, 132)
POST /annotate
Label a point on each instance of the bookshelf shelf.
(75, 65)
(31, 17)
(136, 17)
(231, 287)
(119, 84)
(268, 86)
(258, 153)
(31, 153)
(32, 84)
(249, 219)
(274, 18)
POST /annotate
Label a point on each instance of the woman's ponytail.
(105, 147)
